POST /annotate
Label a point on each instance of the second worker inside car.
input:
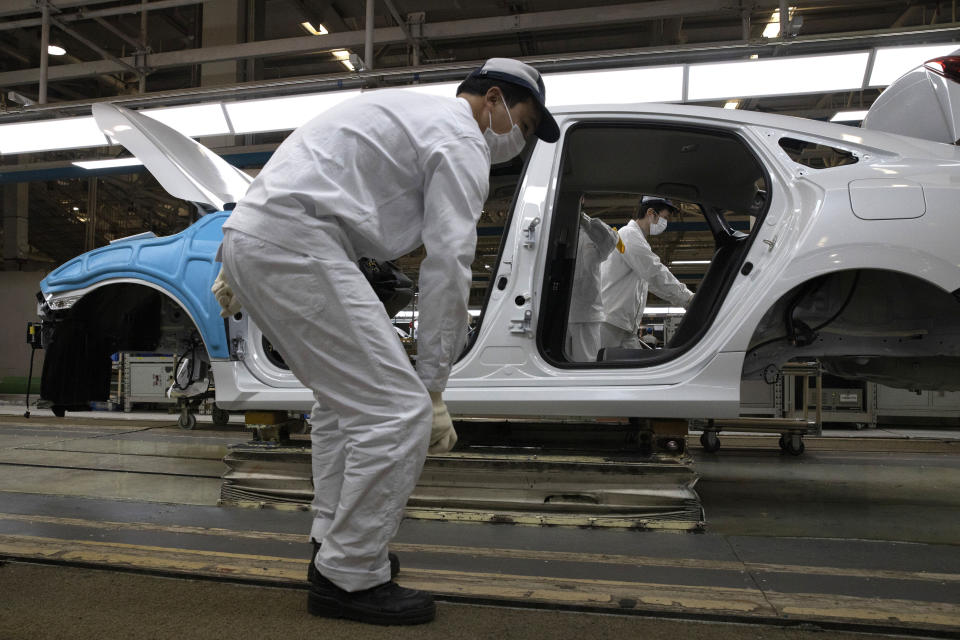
(627, 277)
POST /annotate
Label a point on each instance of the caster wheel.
(220, 416)
(710, 442)
(59, 410)
(783, 441)
(187, 421)
(794, 445)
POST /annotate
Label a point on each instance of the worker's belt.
(394, 289)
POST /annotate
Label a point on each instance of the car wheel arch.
(884, 310)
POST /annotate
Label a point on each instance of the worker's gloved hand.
(229, 304)
(442, 435)
(602, 234)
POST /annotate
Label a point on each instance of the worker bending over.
(627, 277)
(376, 176)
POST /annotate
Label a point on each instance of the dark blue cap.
(518, 73)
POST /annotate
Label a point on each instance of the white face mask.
(504, 146)
(659, 226)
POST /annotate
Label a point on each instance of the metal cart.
(791, 429)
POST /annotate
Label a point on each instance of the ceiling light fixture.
(620, 86)
(343, 57)
(772, 30)
(107, 164)
(320, 30)
(731, 104)
(279, 114)
(777, 76)
(55, 50)
(193, 120)
(49, 135)
(892, 62)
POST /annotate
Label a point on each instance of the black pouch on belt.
(394, 289)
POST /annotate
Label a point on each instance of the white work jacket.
(595, 243)
(393, 169)
(627, 277)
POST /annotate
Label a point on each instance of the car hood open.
(184, 167)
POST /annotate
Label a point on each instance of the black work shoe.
(394, 562)
(386, 604)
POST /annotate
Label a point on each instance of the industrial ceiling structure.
(57, 57)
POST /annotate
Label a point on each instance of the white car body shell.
(896, 209)
(850, 217)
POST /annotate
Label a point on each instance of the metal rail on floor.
(655, 493)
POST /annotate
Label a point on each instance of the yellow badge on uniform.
(620, 246)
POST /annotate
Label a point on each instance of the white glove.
(229, 304)
(442, 435)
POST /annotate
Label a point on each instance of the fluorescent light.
(620, 86)
(848, 116)
(772, 30)
(731, 104)
(48, 135)
(414, 315)
(54, 50)
(446, 89)
(107, 164)
(194, 121)
(280, 114)
(689, 262)
(777, 76)
(892, 62)
(343, 56)
(663, 311)
(319, 31)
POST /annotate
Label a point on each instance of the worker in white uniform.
(376, 176)
(596, 241)
(627, 277)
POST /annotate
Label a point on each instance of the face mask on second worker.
(659, 226)
(504, 146)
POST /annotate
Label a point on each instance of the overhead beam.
(539, 21)
(682, 54)
(76, 16)
(406, 32)
(92, 46)
(13, 7)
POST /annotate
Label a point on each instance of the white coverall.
(375, 176)
(595, 242)
(626, 279)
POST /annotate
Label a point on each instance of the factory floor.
(110, 528)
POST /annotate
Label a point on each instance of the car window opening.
(720, 192)
(816, 155)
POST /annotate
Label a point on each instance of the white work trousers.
(372, 418)
(583, 341)
(614, 336)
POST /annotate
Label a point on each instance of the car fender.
(183, 266)
(911, 262)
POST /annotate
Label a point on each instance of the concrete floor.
(857, 531)
(42, 602)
